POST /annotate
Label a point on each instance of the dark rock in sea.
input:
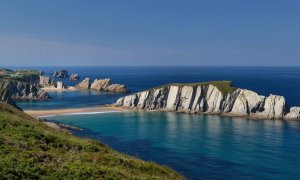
(61, 74)
(74, 77)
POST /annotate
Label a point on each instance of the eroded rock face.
(61, 74)
(5, 97)
(247, 102)
(293, 114)
(44, 80)
(100, 84)
(24, 91)
(274, 107)
(117, 88)
(84, 85)
(208, 99)
(60, 85)
(74, 77)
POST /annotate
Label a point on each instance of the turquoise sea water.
(199, 147)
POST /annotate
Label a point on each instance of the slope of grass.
(224, 86)
(29, 149)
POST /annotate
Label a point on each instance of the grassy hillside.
(30, 149)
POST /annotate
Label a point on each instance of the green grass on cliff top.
(223, 86)
(31, 150)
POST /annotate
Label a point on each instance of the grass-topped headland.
(31, 150)
(22, 76)
(223, 86)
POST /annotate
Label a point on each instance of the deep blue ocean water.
(199, 147)
(264, 80)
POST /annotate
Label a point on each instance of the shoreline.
(75, 111)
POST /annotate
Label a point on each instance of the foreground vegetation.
(29, 149)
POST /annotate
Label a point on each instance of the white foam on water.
(80, 113)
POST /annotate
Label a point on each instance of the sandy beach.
(98, 109)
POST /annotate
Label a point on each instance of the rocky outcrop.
(44, 80)
(211, 98)
(5, 97)
(60, 85)
(19, 90)
(84, 85)
(294, 113)
(74, 77)
(117, 88)
(101, 85)
(61, 74)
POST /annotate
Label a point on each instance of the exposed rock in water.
(211, 98)
(84, 85)
(294, 113)
(117, 88)
(61, 74)
(60, 85)
(74, 77)
(101, 85)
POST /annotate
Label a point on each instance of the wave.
(80, 113)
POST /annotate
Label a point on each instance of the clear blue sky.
(150, 32)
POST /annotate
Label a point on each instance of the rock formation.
(44, 80)
(74, 77)
(117, 88)
(101, 85)
(211, 98)
(60, 85)
(84, 85)
(19, 90)
(61, 74)
(5, 97)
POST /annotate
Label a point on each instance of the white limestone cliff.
(208, 98)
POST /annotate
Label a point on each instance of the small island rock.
(84, 85)
(74, 77)
(61, 74)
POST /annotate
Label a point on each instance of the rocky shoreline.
(215, 98)
(100, 85)
(23, 85)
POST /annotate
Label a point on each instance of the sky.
(150, 33)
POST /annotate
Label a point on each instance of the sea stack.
(74, 77)
(61, 74)
(102, 85)
(218, 98)
(84, 85)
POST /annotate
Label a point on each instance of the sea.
(196, 146)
